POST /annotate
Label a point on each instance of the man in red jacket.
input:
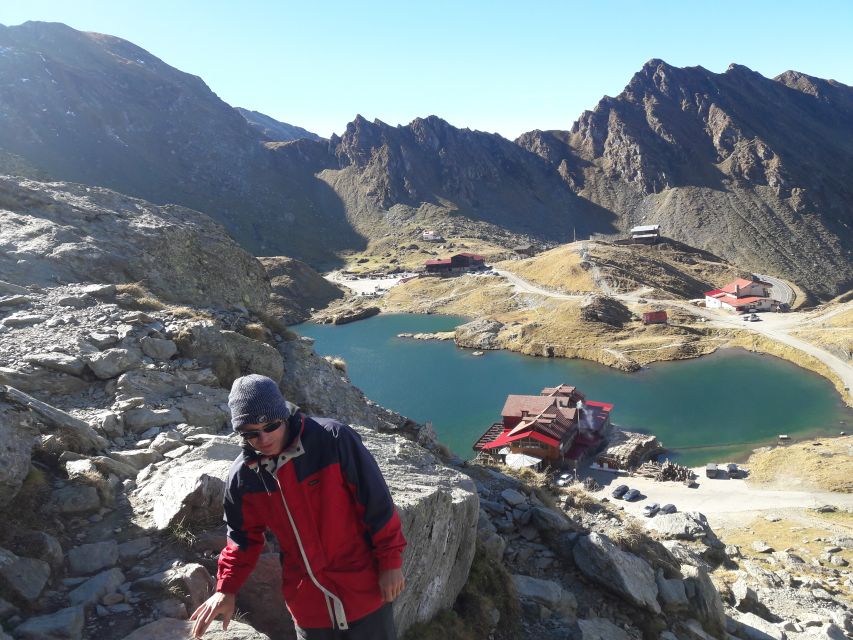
(312, 483)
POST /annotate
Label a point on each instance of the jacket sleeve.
(374, 499)
(245, 538)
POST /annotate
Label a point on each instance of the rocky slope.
(116, 429)
(274, 130)
(296, 289)
(753, 169)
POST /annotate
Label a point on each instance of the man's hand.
(218, 603)
(391, 584)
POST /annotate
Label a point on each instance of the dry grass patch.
(337, 362)
(580, 498)
(825, 463)
(190, 313)
(558, 269)
(803, 535)
(259, 332)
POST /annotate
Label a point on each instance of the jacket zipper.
(333, 602)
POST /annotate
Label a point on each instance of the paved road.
(780, 290)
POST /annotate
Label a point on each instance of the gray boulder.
(601, 629)
(751, 627)
(157, 348)
(671, 593)
(24, 578)
(65, 624)
(681, 525)
(228, 353)
(479, 334)
(706, 604)
(262, 601)
(74, 500)
(136, 458)
(621, 572)
(547, 593)
(439, 509)
(549, 521)
(199, 411)
(89, 558)
(18, 435)
(190, 489)
(95, 588)
(139, 420)
(192, 581)
(172, 629)
(113, 362)
(60, 362)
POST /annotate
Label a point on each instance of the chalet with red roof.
(455, 264)
(558, 426)
(742, 296)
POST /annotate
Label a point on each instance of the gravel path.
(723, 501)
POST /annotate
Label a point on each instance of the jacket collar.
(292, 448)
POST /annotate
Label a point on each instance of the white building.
(742, 296)
(649, 233)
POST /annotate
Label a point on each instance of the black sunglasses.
(254, 433)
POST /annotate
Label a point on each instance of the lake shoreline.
(451, 428)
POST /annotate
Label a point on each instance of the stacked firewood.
(668, 471)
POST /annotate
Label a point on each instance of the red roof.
(533, 405)
(713, 293)
(741, 302)
(436, 262)
(505, 438)
(732, 286)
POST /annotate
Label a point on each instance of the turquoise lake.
(714, 408)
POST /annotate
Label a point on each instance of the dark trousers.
(379, 625)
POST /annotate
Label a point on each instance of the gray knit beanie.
(255, 399)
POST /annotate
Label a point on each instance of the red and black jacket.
(326, 501)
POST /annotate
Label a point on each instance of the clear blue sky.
(507, 67)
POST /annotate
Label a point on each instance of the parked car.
(732, 470)
(564, 479)
(651, 509)
(631, 495)
(711, 470)
(668, 508)
(754, 317)
(620, 491)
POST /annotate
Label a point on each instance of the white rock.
(513, 497)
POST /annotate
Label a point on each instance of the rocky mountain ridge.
(755, 170)
(274, 130)
(750, 168)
